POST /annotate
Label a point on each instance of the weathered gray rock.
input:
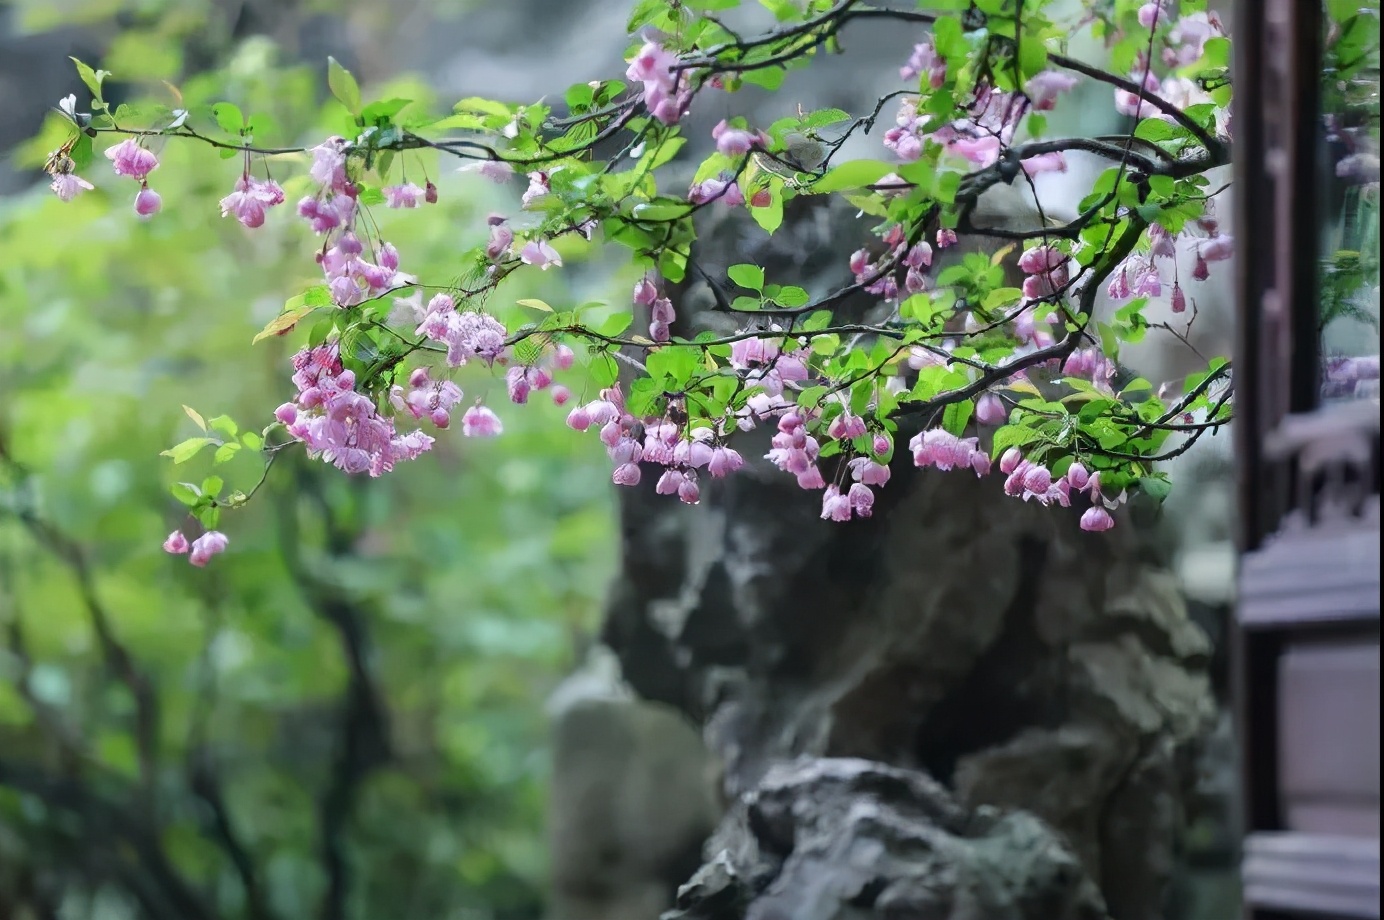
(848, 839)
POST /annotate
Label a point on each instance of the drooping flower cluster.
(199, 551)
(990, 126)
(939, 448)
(925, 61)
(1142, 274)
(427, 398)
(131, 158)
(467, 335)
(251, 200)
(666, 92)
(340, 425)
(661, 312)
(1028, 480)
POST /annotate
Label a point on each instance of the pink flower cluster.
(661, 312)
(251, 200)
(352, 277)
(925, 61)
(467, 335)
(795, 451)
(132, 159)
(990, 127)
(937, 447)
(1026, 480)
(736, 142)
(1140, 274)
(914, 259)
(199, 551)
(666, 93)
(763, 363)
(717, 188)
(1091, 364)
(340, 425)
(663, 442)
(427, 398)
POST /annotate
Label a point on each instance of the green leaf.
(1007, 436)
(251, 441)
(92, 78)
(185, 451)
(211, 486)
(196, 417)
(225, 424)
(282, 323)
(791, 296)
(854, 174)
(534, 304)
(225, 452)
(187, 493)
(615, 324)
(228, 117)
(1156, 487)
(747, 276)
(343, 85)
(956, 416)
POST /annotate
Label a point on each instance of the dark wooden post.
(1307, 637)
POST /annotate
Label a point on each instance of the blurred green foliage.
(341, 717)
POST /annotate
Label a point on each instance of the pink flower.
(1045, 162)
(207, 545)
(733, 142)
(1010, 460)
(835, 506)
(252, 198)
(497, 171)
(1044, 87)
(689, 492)
(579, 419)
(1037, 480)
(1179, 300)
(501, 238)
(403, 196)
(1216, 249)
(664, 97)
(147, 202)
(1154, 13)
(669, 482)
(925, 60)
(480, 422)
(990, 410)
(538, 187)
(861, 499)
(329, 164)
(1077, 476)
(1041, 258)
(176, 543)
(1127, 103)
(561, 395)
(707, 191)
(67, 186)
(626, 474)
(1097, 519)
(662, 311)
(128, 158)
(865, 470)
(946, 238)
(645, 292)
(539, 253)
(723, 462)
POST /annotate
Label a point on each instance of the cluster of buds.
(1028, 480)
